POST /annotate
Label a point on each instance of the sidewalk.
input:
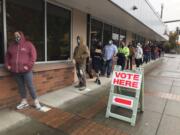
(71, 107)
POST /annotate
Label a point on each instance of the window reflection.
(107, 34)
(58, 33)
(123, 35)
(27, 16)
(116, 35)
(138, 39)
(96, 33)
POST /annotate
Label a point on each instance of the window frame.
(71, 30)
(112, 25)
(4, 27)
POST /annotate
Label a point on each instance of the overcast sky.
(171, 11)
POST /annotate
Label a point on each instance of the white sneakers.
(37, 104)
(24, 104)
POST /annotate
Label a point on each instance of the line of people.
(21, 56)
(103, 58)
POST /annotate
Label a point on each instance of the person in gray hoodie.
(138, 55)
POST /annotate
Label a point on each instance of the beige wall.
(129, 37)
(79, 26)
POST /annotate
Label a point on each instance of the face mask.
(17, 39)
(110, 42)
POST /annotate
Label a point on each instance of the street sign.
(126, 81)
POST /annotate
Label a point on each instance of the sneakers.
(24, 104)
(37, 104)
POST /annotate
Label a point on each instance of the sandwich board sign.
(126, 81)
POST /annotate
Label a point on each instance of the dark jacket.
(20, 55)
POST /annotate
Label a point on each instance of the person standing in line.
(108, 54)
(145, 52)
(153, 52)
(97, 59)
(130, 57)
(138, 55)
(114, 62)
(123, 53)
(19, 60)
(149, 52)
(81, 53)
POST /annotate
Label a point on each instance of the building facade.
(53, 25)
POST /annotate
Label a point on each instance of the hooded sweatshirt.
(81, 53)
(19, 55)
(124, 50)
(138, 52)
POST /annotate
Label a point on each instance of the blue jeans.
(149, 56)
(23, 80)
(107, 67)
(145, 57)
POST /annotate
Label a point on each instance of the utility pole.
(178, 30)
(162, 8)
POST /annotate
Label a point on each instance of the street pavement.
(77, 112)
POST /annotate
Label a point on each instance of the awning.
(108, 12)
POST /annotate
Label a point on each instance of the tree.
(173, 38)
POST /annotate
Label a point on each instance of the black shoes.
(98, 81)
(77, 86)
(82, 88)
(108, 76)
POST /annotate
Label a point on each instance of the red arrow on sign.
(126, 102)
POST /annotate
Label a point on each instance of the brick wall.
(45, 80)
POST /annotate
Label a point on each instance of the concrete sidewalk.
(60, 97)
(161, 116)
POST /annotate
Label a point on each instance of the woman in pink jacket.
(19, 60)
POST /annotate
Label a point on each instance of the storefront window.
(58, 33)
(28, 17)
(123, 35)
(138, 39)
(96, 33)
(116, 35)
(107, 33)
(1, 35)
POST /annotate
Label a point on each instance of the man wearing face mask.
(110, 50)
(19, 60)
(81, 53)
(123, 53)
